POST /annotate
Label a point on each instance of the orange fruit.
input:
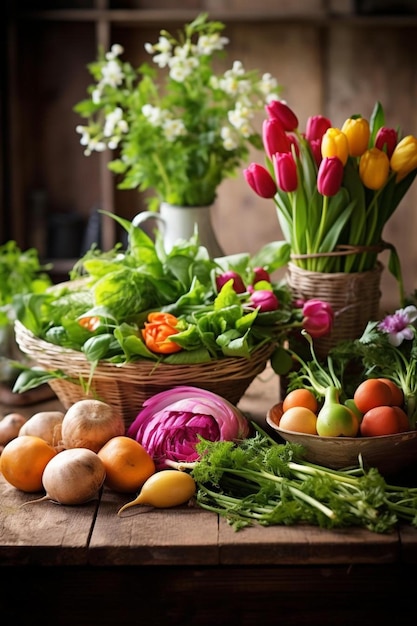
(128, 464)
(397, 393)
(301, 397)
(371, 393)
(384, 420)
(299, 419)
(23, 461)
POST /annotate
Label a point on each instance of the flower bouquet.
(153, 319)
(180, 129)
(334, 191)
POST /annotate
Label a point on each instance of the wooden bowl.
(390, 454)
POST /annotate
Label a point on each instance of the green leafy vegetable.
(260, 481)
(121, 287)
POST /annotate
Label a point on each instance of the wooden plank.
(408, 547)
(305, 545)
(42, 534)
(184, 596)
(145, 536)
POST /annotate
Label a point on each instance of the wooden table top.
(92, 534)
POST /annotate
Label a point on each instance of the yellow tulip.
(374, 168)
(357, 132)
(335, 144)
(404, 157)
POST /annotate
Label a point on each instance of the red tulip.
(315, 147)
(386, 139)
(274, 137)
(261, 181)
(278, 109)
(316, 127)
(285, 171)
(330, 176)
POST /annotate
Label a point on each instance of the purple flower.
(171, 422)
(399, 325)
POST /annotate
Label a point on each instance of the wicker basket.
(126, 387)
(354, 297)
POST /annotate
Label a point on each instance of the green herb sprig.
(260, 481)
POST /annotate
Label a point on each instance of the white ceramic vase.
(177, 222)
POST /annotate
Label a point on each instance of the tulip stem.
(319, 236)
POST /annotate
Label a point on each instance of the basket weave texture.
(354, 297)
(126, 387)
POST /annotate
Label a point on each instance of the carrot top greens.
(265, 482)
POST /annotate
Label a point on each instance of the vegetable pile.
(145, 303)
(264, 482)
(366, 386)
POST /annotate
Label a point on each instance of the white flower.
(230, 141)
(115, 51)
(207, 44)
(181, 68)
(85, 135)
(173, 128)
(112, 120)
(239, 119)
(112, 74)
(96, 96)
(164, 47)
(113, 142)
(237, 69)
(267, 84)
(154, 115)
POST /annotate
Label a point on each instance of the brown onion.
(75, 477)
(46, 425)
(10, 426)
(90, 424)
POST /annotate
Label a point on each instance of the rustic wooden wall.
(328, 62)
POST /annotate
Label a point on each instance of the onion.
(46, 425)
(10, 426)
(90, 424)
(75, 477)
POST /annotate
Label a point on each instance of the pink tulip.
(316, 127)
(318, 318)
(285, 171)
(386, 139)
(315, 146)
(275, 138)
(330, 176)
(260, 180)
(278, 109)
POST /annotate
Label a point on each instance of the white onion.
(46, 425)
(74, 477)
(90, 424)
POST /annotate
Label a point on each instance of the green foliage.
(260, 481)
(121, 288)
(181, 130)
